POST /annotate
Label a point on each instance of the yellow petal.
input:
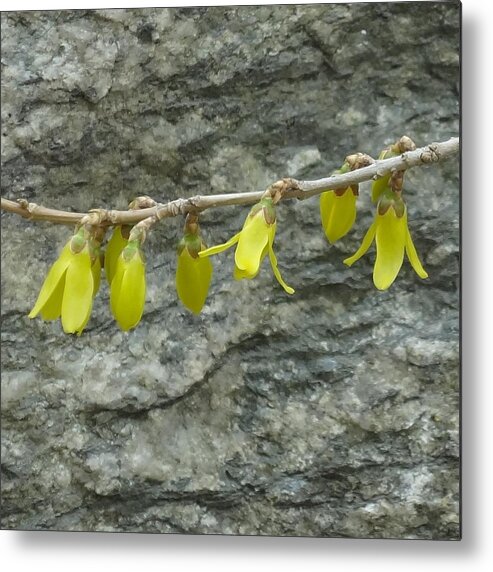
(365, 245)
(77, 294)
(253, 239)
(96, 275)
(193, 277)
(84, 323)
(52, 309)
(413, 256)
(220, 247)
(240, 274)
(342, 216)
(326, 205)
(128, 290)
(273, 262)
(113, 250)
(390, 240)
(55, 275)
(116, 285)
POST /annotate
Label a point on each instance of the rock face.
(333, 412)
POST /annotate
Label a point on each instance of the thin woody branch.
(285, 189)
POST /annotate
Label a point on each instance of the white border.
(100, 4)
(59, 552)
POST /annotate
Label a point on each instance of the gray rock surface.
(333, 412)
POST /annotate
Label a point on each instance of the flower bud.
(193, 274)
(338, 212)
(128, 287)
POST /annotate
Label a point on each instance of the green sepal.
(131, 250)
(399, 207)
(193, 243)
(269, 210)
(345, 168)
(78, 241)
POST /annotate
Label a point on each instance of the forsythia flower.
(392, 237)
(128, 287)
(255, 241)
(114, 248)
(71, 285)
(193, 274)
(338, 212)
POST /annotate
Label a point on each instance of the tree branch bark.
(291, 188)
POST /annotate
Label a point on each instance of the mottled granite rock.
(330, 413)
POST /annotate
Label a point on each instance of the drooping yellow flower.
(70, 286)
(128, 287)
(114, 248)
(338, 212)
(255, 241)
(193, 274)
(392, 237)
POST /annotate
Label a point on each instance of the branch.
(432, 153)
(290, 188)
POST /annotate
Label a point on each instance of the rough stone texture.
(330, 413)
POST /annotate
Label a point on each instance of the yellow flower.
(338, 212)
(128, 287)
(114, 248)
(255, 241)
(392, 237)
(70, 286)
(193, 274)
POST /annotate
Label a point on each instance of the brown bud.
(142, 202)
(396, 181)
(278, 189)
(97, 233)
(191, 224)
(358, 160)
(340, 191)
(405, 144)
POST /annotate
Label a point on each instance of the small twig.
(33, 211)
(284, 189)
